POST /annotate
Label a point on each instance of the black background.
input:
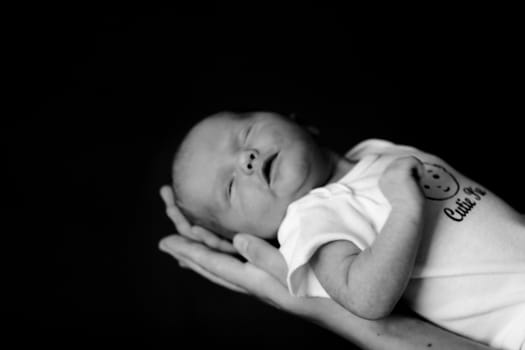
(97, 97)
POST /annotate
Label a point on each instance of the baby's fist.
(400, 181)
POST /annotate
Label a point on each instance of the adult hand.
(184, 228)
(263, 275)
(265, 282)
(203, 252)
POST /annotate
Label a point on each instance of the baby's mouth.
(267, 168)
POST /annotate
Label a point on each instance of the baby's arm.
(369, 283)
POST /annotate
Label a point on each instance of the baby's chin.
(301, 170)
(293, 179)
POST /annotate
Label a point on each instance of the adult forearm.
(407, 333)
(395, 332)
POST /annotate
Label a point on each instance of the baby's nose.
(248, 161)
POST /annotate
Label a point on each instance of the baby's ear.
(313, 130)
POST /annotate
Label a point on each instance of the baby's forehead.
(204, 144)
(215, 124)
(227, 117)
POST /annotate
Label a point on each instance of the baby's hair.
(208, 221)
(177, 168)
(178, 157)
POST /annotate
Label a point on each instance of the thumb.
(419, 168)
(261, 254)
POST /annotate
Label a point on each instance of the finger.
(210, 276)
(420, 167)
(245, 276)
(414, 162)
(166, 193)
(212, 240)
(183, 226)
(179, 220)
(220, 264)
(416, 166)
(262, 254)
(167, 196)
(188, 264)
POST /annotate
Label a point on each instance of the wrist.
(412, 207)
(410, 199)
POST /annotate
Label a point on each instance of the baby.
(381, 223)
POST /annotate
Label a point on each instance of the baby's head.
(239, 172)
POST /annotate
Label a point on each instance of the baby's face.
(246, 171)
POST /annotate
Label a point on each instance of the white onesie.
(469, 275)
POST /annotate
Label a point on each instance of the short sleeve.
(319, 218)
(369, 146)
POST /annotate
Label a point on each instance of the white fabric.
(469, 275)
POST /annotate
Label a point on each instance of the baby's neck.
(340, 167)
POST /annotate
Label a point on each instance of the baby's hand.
(400, 182)
(195, 233)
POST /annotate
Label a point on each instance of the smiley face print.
(437, 183)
